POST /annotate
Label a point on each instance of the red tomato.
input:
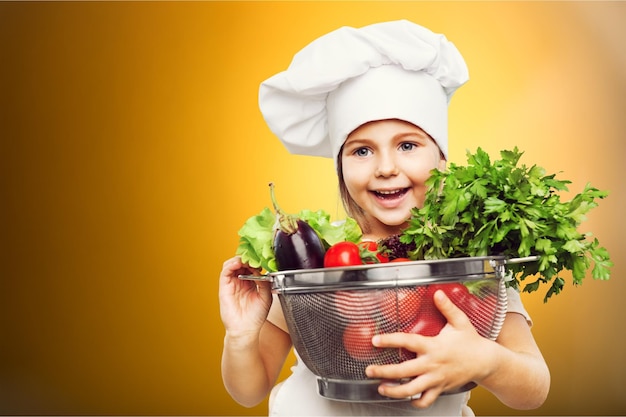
(342, 254)
(428, 321)
(431, 321)
(370, 253)
(357, 339)
(401, 306)
(459, 294)
(400, 260)
(356, 304)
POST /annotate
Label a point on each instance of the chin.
(396, 224)
(398, 219)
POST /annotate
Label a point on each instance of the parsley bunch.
(500, 208)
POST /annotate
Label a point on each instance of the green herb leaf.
(503, 208)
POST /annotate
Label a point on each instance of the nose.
(387, 166)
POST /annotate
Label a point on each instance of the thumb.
(453, 314)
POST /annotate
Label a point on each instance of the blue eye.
(407, 146)
(362, 152)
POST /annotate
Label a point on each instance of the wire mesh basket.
(332, 313)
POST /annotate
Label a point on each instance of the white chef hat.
(351, 76)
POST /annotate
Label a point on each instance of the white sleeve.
(515, 304)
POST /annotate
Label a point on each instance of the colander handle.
(256, 277)
(521, 260)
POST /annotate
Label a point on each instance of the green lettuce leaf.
(256, 236)
(255, 241)
(332, 232)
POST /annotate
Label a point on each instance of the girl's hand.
(244, 304)
(456, 356)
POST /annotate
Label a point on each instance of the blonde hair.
(350, 206)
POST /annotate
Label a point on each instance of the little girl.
(375, 99)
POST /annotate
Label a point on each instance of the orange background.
(132, 150)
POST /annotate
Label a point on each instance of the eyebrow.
(365, 140)
(421, 135)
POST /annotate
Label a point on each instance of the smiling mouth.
(390, 194)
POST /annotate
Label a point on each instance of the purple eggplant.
(296, 244)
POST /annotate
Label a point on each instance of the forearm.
(243, 370)
(251, 363)
(516, 373)
(520, 380)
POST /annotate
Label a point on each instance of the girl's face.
(385, 164)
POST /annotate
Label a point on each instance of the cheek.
(355, 176)
(419, 173)
(354, 184)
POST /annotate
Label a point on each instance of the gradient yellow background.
(132, 150)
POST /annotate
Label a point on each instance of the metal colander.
(332, 314)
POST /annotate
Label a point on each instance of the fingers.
(427, 374)
(423, 393)
(453, 314)
(244, 303)
(406, 369)
(426, 399)
(233, 267)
